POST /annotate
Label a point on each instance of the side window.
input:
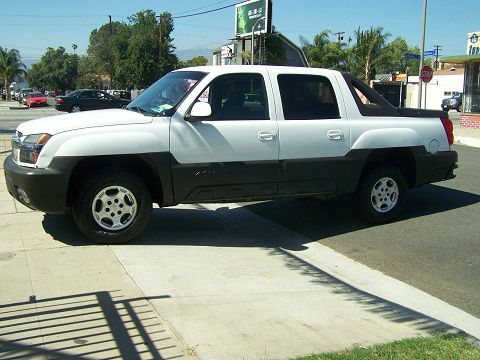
(237, 97)
(86, 95)
(307, 97)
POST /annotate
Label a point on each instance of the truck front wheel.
(112, 207)
(383, 194)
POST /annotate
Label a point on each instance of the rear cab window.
(307, 97)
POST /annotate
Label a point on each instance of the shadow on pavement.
(82, 326)
(6, 131)
(197, 226)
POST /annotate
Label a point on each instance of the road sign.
(426, 74)
(429, 53)
(412, 56)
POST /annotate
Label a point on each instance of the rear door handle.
(335, 134)
(266, 136)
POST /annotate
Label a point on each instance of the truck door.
(314, 134)
(233, 154)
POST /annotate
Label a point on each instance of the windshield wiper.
(142, 110)
(137, 109)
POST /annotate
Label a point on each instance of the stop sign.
(426, 74)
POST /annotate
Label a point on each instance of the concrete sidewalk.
(467, 136)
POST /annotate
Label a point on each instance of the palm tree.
(367, 50)
(10, 66)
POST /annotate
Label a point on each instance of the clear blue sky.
(33, 25)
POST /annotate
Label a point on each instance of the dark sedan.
(82, 100)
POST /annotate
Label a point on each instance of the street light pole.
(253, 37)
(422, 55)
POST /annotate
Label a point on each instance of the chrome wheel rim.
(114, 208)
(384, 195)
(76, 109)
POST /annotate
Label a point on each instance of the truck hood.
(60, 123)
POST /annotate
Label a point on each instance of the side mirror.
(200, 110)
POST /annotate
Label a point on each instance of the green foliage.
(370, 53)
(143, 62)
(56, 70)
(10, 66)
(453, 347)
(367, 51)
(196, 61)
(88, 75)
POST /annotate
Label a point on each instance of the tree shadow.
(80, 326)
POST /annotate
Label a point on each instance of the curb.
(467, 141)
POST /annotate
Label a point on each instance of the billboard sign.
(473, 43)
(248, 13)
(228, 51)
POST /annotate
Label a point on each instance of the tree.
(10, 66)
(105, 46)
(324, 53)
(88, 74)
(144, 61)
(196, 61)
(56, 70)
(366, 53)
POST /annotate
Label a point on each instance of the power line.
(55, 16)
(206, 12)
(200, 8)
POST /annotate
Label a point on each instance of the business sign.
(249, 13)
(473, 43)
(426, 74)
(228, 51)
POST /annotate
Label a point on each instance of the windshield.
(457, 96)
(35, 94)
(163, 97)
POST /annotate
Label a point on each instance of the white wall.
(435, 90)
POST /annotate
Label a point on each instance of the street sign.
(426, 74)
(412, 56)
(429, 53)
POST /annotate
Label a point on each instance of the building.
(471, 86)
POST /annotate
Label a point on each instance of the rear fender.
(388, 138)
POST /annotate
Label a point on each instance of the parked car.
(35, 99)
(87, 99)
(229, 134)
(454, 102)
(22, 99)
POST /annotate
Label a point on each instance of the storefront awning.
(460, 59)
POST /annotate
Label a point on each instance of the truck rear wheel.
(112, 207)
(383, 194)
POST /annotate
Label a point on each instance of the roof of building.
(457, 71)
(461, 59)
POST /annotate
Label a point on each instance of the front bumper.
(45, 189)
(435, 167)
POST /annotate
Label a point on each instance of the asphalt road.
(434, 246)
(10, 119)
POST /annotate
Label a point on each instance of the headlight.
(36, 139)
(27, 149)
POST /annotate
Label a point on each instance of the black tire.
(380, 208)
(75, 108)
(459, 108)
(83, 211)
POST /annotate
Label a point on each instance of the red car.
(36, 98)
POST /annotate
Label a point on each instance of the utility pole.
(422, 55)
(160, 37)
(437, 49)
(110, 20)
(339, 35)
(74, 46)
(110, 60)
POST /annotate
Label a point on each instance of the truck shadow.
(314, 219)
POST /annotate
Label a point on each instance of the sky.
(32, 25)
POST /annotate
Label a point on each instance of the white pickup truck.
(228, 133)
